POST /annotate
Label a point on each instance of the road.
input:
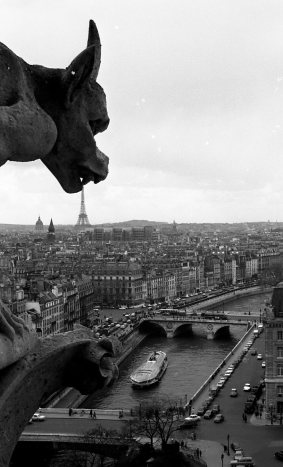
(260, 442)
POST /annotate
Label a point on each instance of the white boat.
(151, 371)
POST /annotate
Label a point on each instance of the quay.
(204, 392)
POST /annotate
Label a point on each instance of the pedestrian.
(94, 414)
(246, 418)
(200, 453)
(70, 412)
(197, 451)
(90, 413)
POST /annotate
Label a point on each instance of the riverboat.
(151, 371)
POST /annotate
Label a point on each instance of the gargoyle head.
(54, 114)
(75, 159)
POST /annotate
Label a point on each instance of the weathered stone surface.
(15, 338)
(71, 359)
(54, 114)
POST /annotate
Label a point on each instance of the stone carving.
(72, 359)
(54, 114)
(15, 338)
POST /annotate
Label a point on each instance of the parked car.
(201, 410)
(193, 418)
(279, 455)
(215, 409)
(247, 387)
(235, 446)
(253, 352)
(239, 453)
(38, 417)
(208, 414)
(219, 418)
(259, 357)
(233, 392)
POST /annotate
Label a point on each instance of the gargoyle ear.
(77, 73)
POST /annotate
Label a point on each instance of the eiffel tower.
(82, 222)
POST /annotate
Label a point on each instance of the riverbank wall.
(230, 357)
(213, 302)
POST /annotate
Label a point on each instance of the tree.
(157, 418)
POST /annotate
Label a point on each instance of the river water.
(191, 358)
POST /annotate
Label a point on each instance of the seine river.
(191, 359)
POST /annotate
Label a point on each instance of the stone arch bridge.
(173, 325)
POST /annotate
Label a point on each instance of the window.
(280, 352)
(279, 335)
(280, 369)
(280, 391)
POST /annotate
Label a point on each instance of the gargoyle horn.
(94, 40)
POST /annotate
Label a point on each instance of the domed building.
(39, 225)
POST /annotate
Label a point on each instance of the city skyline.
(194, 95)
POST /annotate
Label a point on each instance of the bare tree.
(158, 418)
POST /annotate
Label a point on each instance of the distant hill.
(185, 226)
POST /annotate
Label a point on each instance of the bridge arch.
(222, 331)
(152, 327)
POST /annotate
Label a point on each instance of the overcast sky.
(195, 98)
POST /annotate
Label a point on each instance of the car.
(233, 392)
(239, 453)
(256, 389)
(235, 446)
(38, 417)
(220, 383)
(192, 418)
(279, 455)
(208, 414)
(259, 357)
(201, 410)
(228, 373)
(215, 408)
(253, 352)
(219, 418)
(263, 364)
(247, 387)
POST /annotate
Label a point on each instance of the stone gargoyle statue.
(53, 115)
(32, 369)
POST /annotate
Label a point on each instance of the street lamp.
(228, 445)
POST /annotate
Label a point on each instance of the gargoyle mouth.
(94, 170)
(73, 175)
(89, 176)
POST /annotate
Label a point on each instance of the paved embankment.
(228, 297)
(203, 392)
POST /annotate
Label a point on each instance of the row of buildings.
(57, 278)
